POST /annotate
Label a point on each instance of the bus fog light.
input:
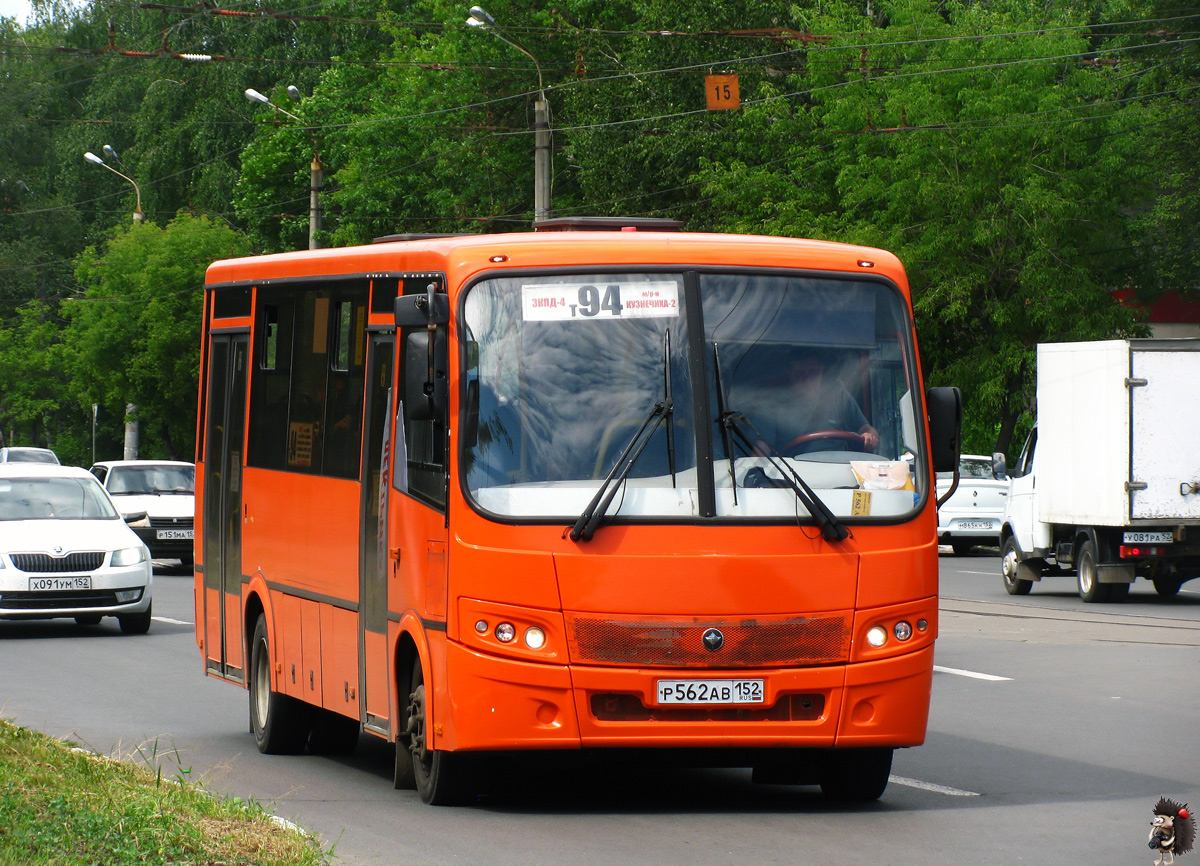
(481, 626)
(535, 638)
(903, 630)
(877, 636)
(506, 632)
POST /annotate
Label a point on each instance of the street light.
(138, 216)
(317, 170)
(541, 119)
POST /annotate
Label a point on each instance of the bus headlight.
(535, 638)
(902, 631)
(877, 636)
(505, 632)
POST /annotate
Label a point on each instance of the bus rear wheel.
(442, 778)
(281, 723)
(854, 775)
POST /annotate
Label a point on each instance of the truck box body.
(1119, 432)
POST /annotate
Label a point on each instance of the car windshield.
(31, 455)
(53, 499)
(575, 379)
(130, 480)
(969, 468)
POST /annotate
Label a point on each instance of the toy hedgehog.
(1172, 832)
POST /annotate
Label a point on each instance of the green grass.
(60, 806)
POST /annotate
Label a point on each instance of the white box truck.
(1107, 487)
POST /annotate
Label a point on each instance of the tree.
(134, 334)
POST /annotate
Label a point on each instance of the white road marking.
(992, 678)
(930, 786)
(170, 621)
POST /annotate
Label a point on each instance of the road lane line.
(170, 621)
(930, 786)
(991, 678)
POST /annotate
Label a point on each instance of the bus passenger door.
(224, 434)
(373, 558)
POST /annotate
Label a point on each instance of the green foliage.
(1024, 160)
(133, 335)
(66, 806)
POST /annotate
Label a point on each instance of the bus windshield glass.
(575, 382)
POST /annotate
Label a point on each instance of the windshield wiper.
(586, 525)
(832, 528)
(734, 425)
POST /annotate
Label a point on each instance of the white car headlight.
(144, 520)
(128, 556)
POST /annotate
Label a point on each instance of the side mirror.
(419, 311)
(944, 408)
(426, 377)
(999, 466)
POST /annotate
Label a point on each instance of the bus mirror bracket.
(944, 407)
(422, 310)
(426, 376)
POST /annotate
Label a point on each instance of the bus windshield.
(803, 383)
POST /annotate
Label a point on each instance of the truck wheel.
(1167, 587)
(1090, 588)
(1008, 568)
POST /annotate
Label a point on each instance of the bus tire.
(441, 778)
(281, 724)
(854, 775)
(1090, 588)
(332, 733)
(1009, 560)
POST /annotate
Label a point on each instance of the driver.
(812, 402)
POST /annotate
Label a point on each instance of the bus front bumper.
(493, 703)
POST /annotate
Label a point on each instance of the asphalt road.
(1054, 727)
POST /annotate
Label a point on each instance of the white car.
(65, 550)
(974, 514)
(165, 490)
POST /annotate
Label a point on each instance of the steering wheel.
(845, 436)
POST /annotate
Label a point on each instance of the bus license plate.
(710, 691)
(175, 534)
(1149, 537)
(59, 584)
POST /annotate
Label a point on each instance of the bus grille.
(796, 641)
(44, 563)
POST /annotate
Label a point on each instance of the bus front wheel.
(281, 723)
(441, 777)
(854, 775)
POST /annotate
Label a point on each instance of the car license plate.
(1149, 537)
(175, 534)
(710, 691)
(975, 525)
(59, 584)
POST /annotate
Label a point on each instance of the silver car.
(65, 550)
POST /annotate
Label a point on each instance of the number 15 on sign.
(721, 92)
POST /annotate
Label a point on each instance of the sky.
(18, 9)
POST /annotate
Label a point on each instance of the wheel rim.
(422, 760)
(1008, 565)
(262, 683)
(1087, 576)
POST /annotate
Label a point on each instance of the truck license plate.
(175, 534)
(59, 584)
(710, 691)
(1149, 537)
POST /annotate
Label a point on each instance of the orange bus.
(573, 491)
